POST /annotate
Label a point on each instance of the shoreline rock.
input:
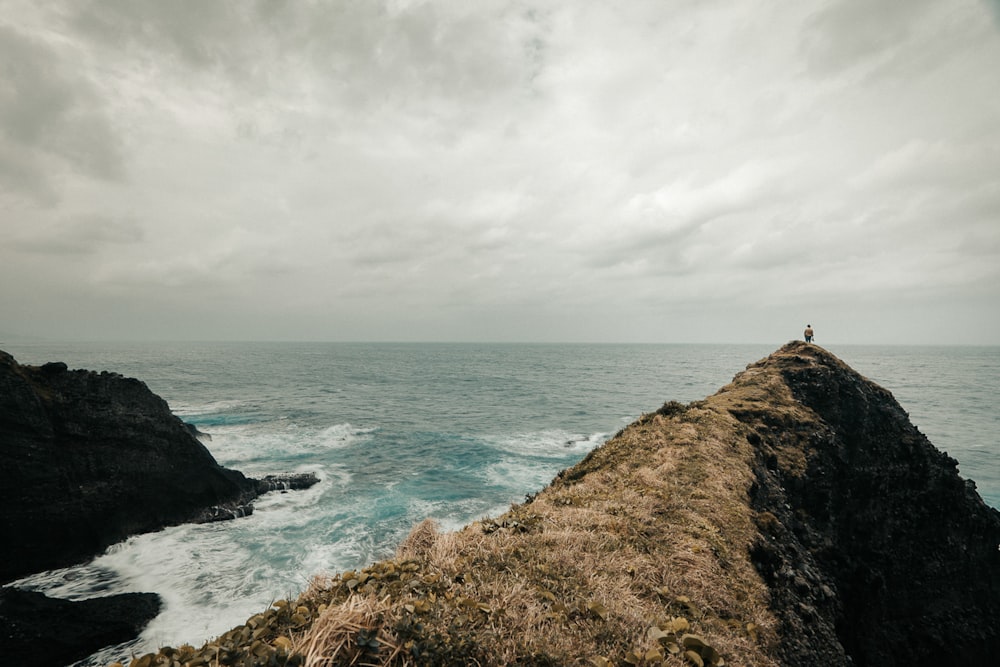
(89, 460)
(269, 483)
(286, 482)
(39, 631)
(92, 458)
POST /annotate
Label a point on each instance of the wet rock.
(198, 433)
(91, 458)
(286, 482)
(38, 631)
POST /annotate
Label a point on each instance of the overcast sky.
(564, 170)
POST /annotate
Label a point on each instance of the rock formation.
(796, 517)
(39, 631)
(871, 543)
(92, 458)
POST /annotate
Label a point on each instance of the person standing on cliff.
(809, 333)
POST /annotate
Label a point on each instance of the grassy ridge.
(637, 555)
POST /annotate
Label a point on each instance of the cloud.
(531, 163)
(412, 57)
(81, 236)
(51, 119)
(845, 34)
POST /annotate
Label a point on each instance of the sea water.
(402, 432)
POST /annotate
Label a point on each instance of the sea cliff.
(90, 459)
(794, 517)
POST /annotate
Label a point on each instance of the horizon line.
(29, 340)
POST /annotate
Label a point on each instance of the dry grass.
(621, 558)
(333, 638)
(638, 555)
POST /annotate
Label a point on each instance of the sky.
(688, 171)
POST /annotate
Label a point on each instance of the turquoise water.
(399, 433)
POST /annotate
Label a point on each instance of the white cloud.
(76, 236)
(444, 169)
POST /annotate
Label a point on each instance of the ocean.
(402, 432)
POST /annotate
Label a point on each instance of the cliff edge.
(794, 517)
(92, 458)
(88, 460)
(869, 540)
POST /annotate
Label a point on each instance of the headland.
(794, 517)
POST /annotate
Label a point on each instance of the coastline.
(666, 545)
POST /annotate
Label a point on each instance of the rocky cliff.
(870, 542)
(794, 517)
(91, 458)
(88, 460)
(38, 631)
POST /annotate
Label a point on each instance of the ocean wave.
(554, 443)
(183, 410)
(525, 476)
(208, 582)
(217, 413)
(258, 446)
(77, 582)
(283, 510)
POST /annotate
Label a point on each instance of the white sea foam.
(283, 510)
(341, 545)
(208, 582)
(515, 473)
(185, 410)
(343, 435)
(247, 446)
(78, 582)
(555, 443)
(321, 559)
(213, 577)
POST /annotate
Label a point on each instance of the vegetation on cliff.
(794, 517)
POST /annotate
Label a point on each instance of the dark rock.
(903, 552)
(54, 367)
(196, 432)
(90, 459)
(223, 513)
(38, 631)
(286, 482)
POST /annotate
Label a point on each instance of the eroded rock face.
(38, 631)
(91, 458)
(88, 460)
(876, 551)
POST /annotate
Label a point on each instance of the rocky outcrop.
(285, 482)
(875, 550)
(39, 631)
(88, 460)
(795, 517)
(91, 458)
